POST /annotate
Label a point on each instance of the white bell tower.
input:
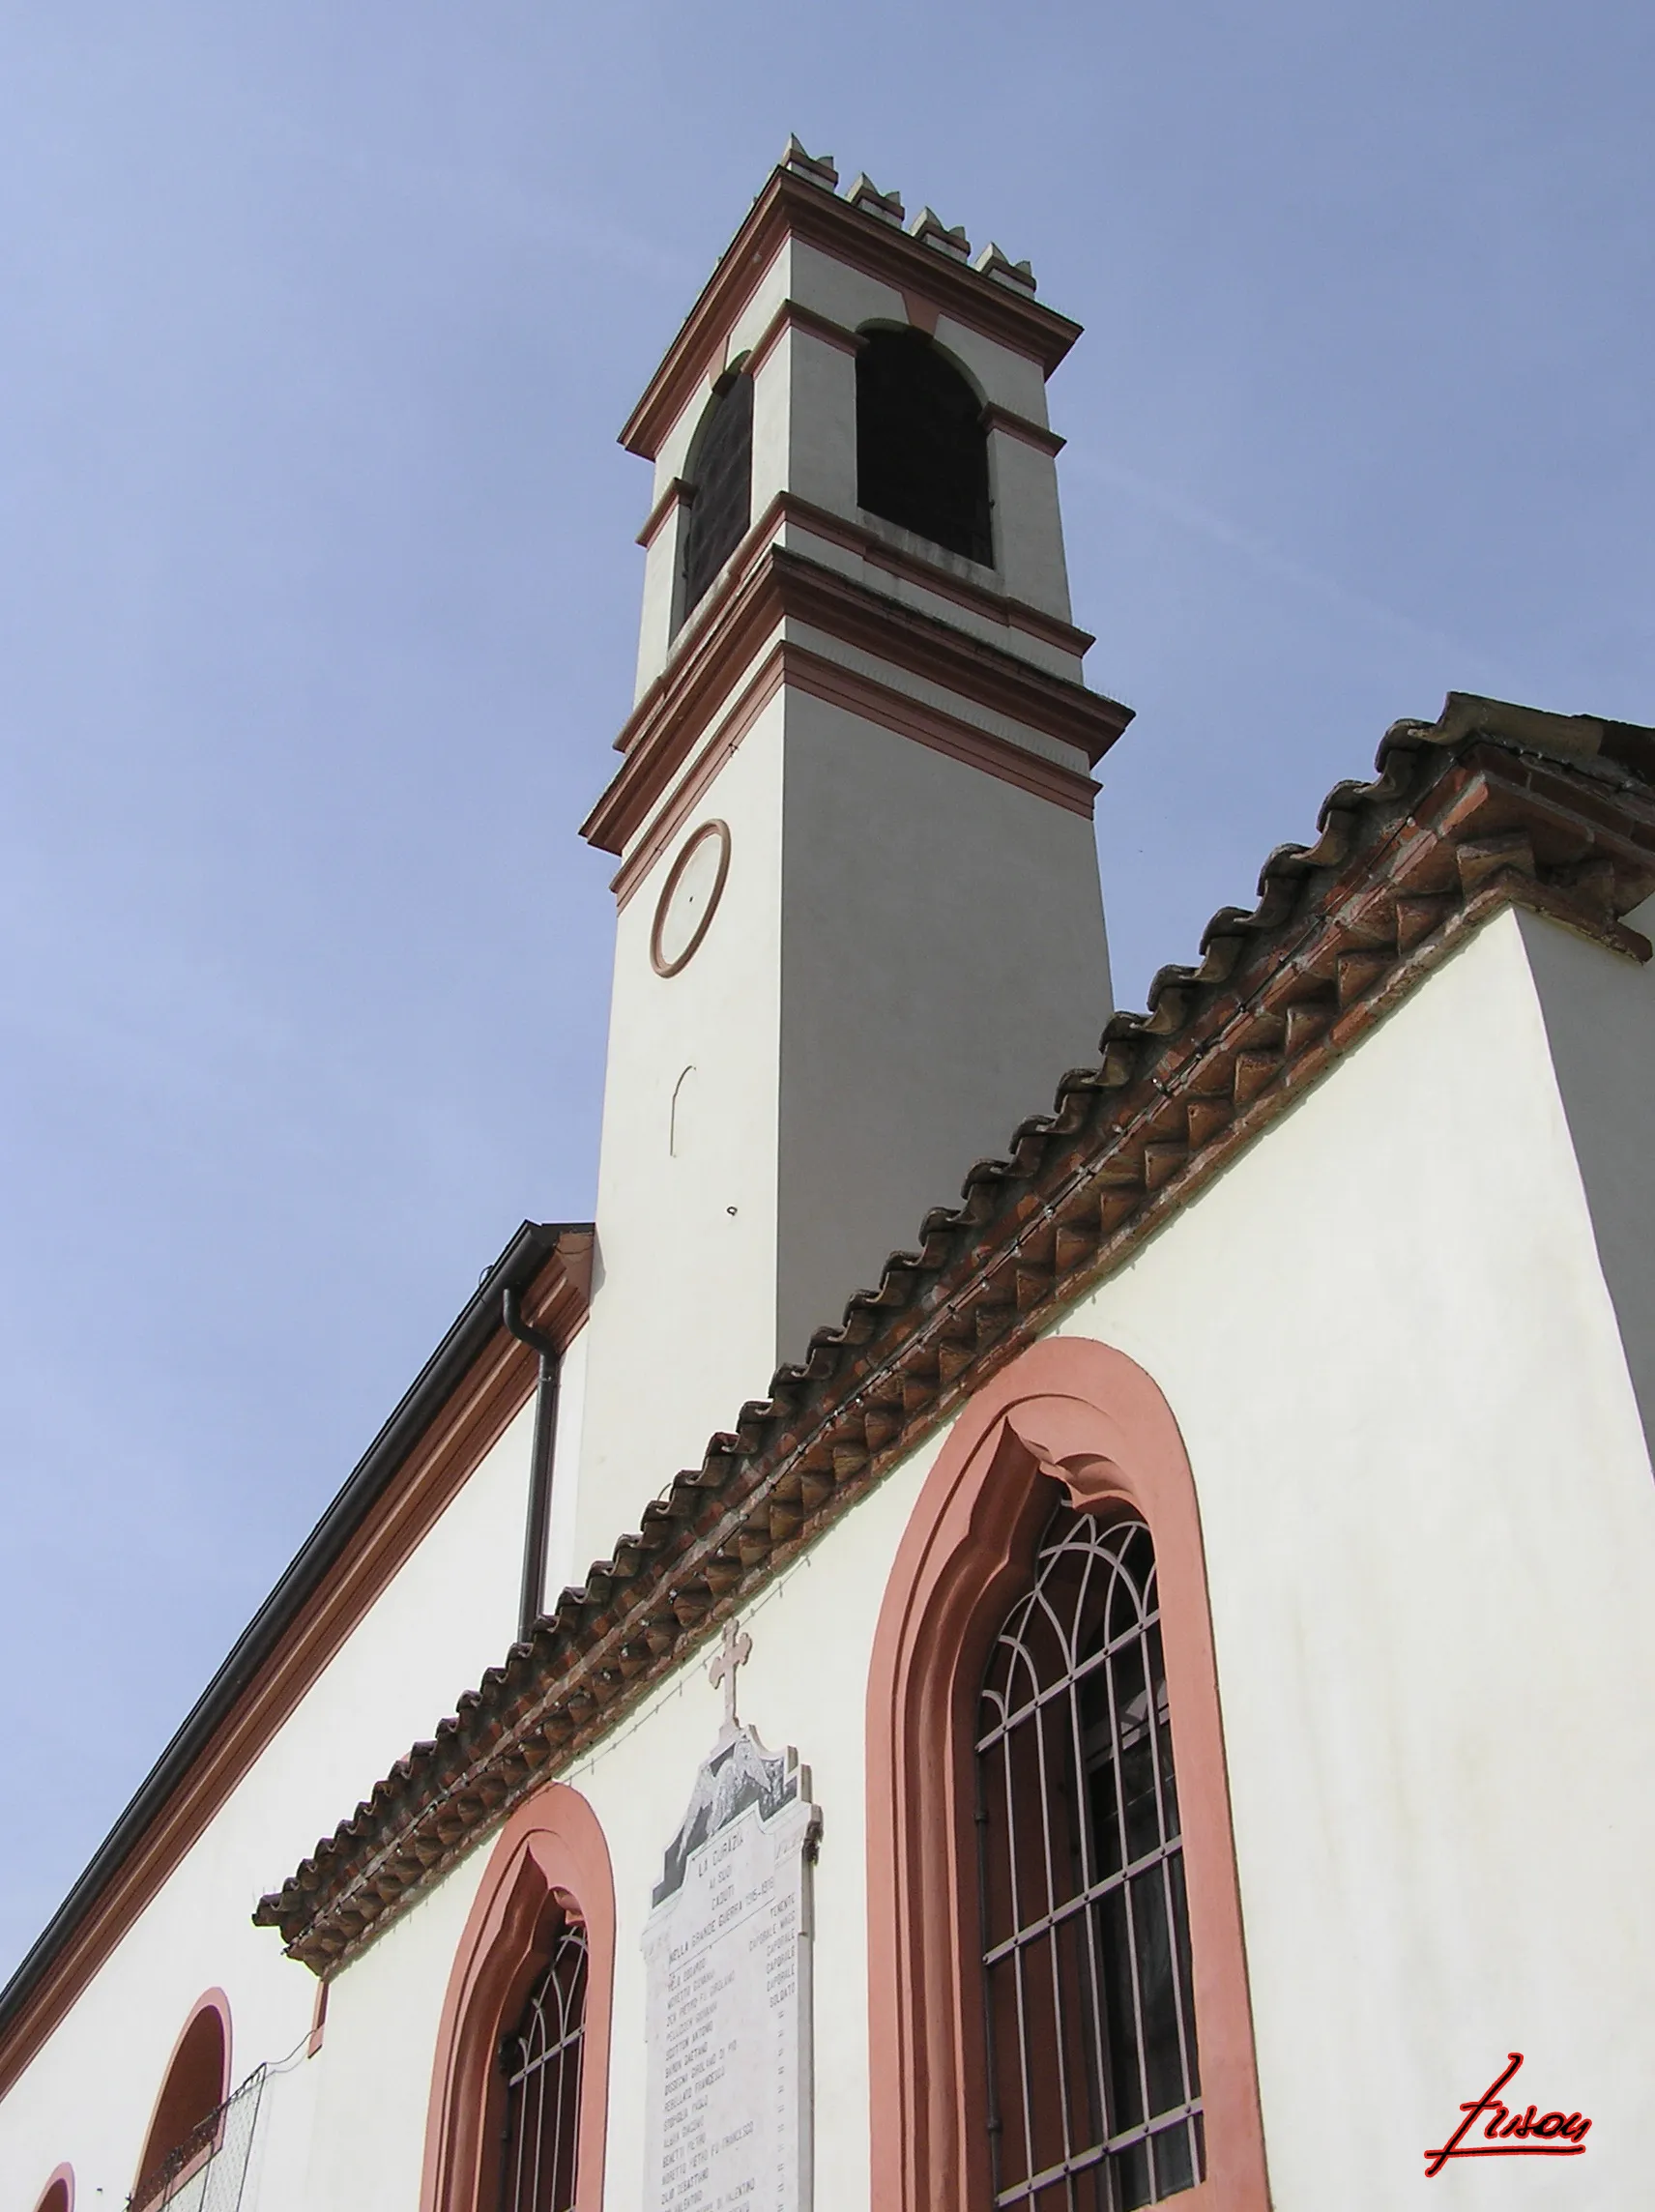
(860, 932)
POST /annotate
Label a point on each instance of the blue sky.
(319, 583)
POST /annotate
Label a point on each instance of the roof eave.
(524, 1259)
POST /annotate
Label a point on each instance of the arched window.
(188, 2112)
(520, 2088)
(721, 482)
(59, 2192)
(922, 447)
(1093, 2086)
(541, 2058)
(1054, 1915)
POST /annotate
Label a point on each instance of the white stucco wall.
(367, 2139)
(659, 1378)
(1600, 1020)
(942, 964)
(1022, 482)
(819, 462)
(805, 1686)
(446, 1615)
(1430, 1529)
(908, 954)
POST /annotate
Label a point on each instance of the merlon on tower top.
(800, 198)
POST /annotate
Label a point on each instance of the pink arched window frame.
(58, 2195)
(1076, 1418)
(163, 2122)
(551, 1860)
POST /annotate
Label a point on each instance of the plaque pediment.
(740, 1772)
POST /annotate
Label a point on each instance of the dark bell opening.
(921, 447)
(721, 472)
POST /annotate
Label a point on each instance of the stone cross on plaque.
(733, 1652)
(727, 1971)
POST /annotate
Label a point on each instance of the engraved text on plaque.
(727, 1954)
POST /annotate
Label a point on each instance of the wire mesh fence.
(208, 2170)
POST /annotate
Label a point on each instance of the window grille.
(1094, 2098)
(542, 2060)
(723, 504)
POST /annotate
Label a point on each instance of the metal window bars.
(1094, 2089)
(208, 2170)
(542, 2060)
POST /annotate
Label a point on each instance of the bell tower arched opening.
(922, 445)
(721, 480)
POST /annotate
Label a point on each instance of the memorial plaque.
(727, 1959)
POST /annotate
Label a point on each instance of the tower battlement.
(801, 199)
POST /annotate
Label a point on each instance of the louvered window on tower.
(721, 487)
(922, 447)
(541, 2058)
(1095, 2095)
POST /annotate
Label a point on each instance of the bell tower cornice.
(758, 635)
(838, 377)
(994, 300)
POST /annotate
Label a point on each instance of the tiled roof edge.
(1459, 820)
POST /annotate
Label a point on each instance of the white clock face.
(689, 897)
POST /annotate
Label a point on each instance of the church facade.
(1083, 1696)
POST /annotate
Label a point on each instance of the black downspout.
(530, 1604)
